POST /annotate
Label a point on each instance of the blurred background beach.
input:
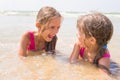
(15, 19)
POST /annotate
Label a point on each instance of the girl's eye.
(58, 27)
(52, 27)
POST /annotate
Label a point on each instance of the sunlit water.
(49, 67)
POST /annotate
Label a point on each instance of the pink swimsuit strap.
(32, 42)
(82, 52)
(106, 55)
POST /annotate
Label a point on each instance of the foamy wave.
(33, 13)
(18, 13)
(64, 14)
(71, 14)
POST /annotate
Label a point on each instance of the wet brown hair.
(98, 26)
(44, 16)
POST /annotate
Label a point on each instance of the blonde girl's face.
(51, 29)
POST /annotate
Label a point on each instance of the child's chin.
(48, 40)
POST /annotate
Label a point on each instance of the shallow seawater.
(49, 67)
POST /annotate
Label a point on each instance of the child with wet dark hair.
(94, 32)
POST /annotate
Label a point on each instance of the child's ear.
(93, 40)
(38, 25)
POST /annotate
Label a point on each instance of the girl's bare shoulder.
(25, 36)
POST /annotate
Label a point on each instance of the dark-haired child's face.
(85, 41)
(81, 35)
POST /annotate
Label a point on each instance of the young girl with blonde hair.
(44, 39)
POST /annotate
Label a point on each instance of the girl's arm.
(23, 45)
(75, 53)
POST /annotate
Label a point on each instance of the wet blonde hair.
(98, 26)
(46, 13)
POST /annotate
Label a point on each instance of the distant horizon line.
(60, 11)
